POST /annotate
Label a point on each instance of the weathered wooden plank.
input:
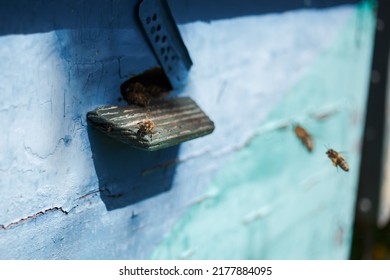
(174, 121)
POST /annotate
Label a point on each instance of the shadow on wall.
(127, 175)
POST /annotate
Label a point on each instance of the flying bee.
(304, 136)
(337, 159)
(145, 128)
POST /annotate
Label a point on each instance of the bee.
(156, 91)
(134, 87)
(337, 159)
(139, 98)
(145, 128)
(136, 93)
(304, 136)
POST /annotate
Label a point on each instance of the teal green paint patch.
(273, 199)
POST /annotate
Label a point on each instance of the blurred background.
(371, 228)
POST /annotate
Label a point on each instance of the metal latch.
(152, 121)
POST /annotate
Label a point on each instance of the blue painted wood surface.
(67, 192)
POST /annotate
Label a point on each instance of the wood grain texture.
(175, 121)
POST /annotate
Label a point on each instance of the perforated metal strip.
(165, 39)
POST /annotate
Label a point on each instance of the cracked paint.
(36, 215)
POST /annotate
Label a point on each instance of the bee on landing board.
(304, 136)
(145, 128)
(337, 159)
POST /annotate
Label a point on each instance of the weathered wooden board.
(175, 121)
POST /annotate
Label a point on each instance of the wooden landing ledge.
(175, 121)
